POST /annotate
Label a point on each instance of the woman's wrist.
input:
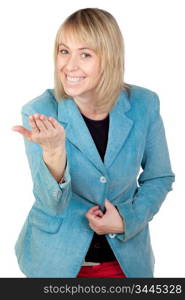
(52, 152)
(56, 162)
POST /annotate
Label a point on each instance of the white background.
(155, 49)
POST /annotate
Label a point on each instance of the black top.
(99, 249)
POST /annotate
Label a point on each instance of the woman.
(86, 141)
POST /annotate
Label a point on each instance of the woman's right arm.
(45, 148)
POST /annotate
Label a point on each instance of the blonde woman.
(86, 141)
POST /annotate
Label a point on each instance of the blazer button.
(103, 179)
(112, 235)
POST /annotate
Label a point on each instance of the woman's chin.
(72, 93)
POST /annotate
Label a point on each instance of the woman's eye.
(63, 51)
(84, 55)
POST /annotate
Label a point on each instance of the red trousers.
(109, 269)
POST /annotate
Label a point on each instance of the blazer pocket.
(43, 221)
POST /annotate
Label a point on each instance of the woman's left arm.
(154, 182)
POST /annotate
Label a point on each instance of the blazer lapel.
(119, 128)
(78, 134)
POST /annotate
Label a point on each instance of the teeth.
(74, 79)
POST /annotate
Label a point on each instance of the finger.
(98, 213)
(39, 123)
(92, 225)
(33, 124)
(46, 122)
(25, 132)
(108, 205)
(93, 209)
(95, 229)
(94, 219)
(54, 122)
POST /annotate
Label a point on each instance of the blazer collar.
(78, 134)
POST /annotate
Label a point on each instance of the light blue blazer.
(135, 176)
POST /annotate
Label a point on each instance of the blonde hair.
(99, 30)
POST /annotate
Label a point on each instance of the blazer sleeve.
(50, 196)
(154, 182)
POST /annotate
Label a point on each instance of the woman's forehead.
(69, 36)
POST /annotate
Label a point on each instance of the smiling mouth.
(74, 79)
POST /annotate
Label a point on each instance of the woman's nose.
(72, 64)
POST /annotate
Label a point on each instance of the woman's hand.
(46, 132)
(50, 135)
(110, 222)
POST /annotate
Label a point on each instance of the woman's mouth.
(74, 79)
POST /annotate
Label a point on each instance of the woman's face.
(78, 67)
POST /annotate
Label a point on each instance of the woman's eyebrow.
(83, 48)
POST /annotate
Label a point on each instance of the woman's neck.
(95, 116)
(88, 109)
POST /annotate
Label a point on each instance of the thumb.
(25, 132)
(108, 205)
